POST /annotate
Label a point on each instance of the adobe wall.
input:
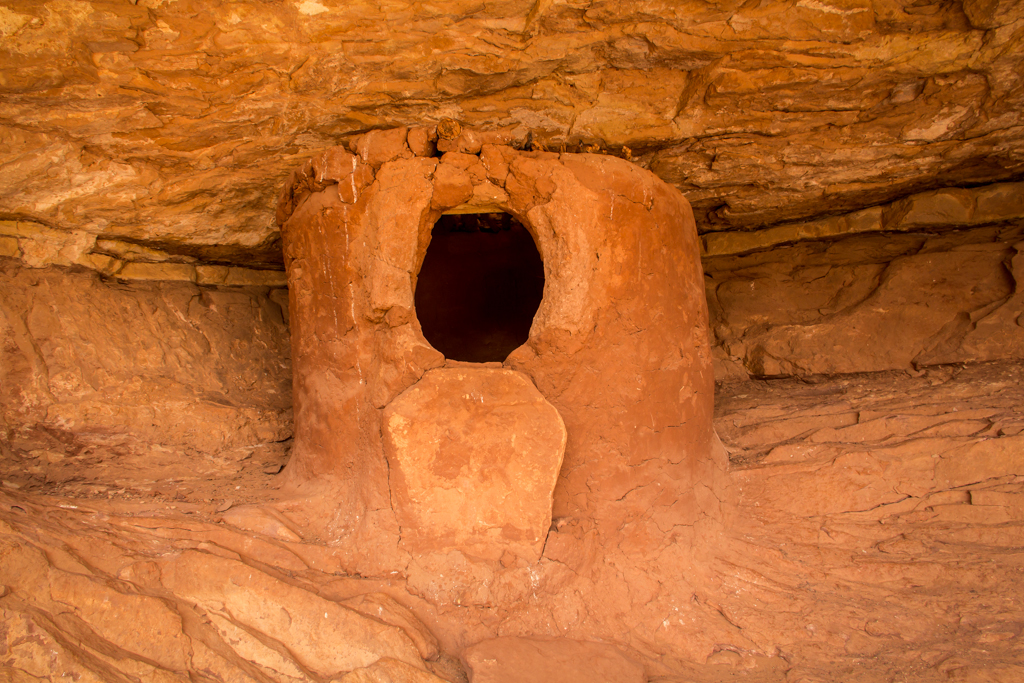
(619, 345)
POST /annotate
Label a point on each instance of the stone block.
(9, 246)
(452, 186)
(242, 277)
(1002, 202)
(107, 265)
(211, 275)
(377, 147)
(468, 142)
(22, 228)
(940, 208)
(421, 141)
(158, 271)
(227, 275)
(549, 660)
(474, 456)
(495, 160)
(129, 251)
(334, 165)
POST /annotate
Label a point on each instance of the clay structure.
(367, 342)
(401, 445)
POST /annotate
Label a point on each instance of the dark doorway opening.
(479, 287)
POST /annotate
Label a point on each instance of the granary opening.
(479, 287)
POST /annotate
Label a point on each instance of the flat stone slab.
(549, 660)
(474, 455)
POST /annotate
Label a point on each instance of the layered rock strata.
(879, 517)
(154, 121)
(98, 598)
(933, 279)
(853, 167)
(157, 383)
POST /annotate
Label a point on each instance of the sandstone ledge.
(153, 122)
(39, 246)
(945, 209)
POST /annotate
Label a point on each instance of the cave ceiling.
(174, 123)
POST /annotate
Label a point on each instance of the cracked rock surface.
(872, 530)
(154, 122)
(880, 517)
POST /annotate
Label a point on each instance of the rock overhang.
(159, 120)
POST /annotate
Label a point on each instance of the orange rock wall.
(155, 121)
(95, 359)
(208, 368)
(870, 302)
(88, 363)
(590, 583)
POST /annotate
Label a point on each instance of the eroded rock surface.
(154, 121)
(895, 498)
(872, 525)
(101, 598)
(869, 303)
(157, 384)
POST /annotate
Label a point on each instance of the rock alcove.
(566, 510)
(855, 169)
